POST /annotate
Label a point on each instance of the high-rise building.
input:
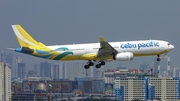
(8, 58)
(21, 70)
(99, 72)
(5, 82)
(176, 72)
(74, 69)
(15, 72)
(37, 69)
(92, 71)
(128, 89)
(45, 69)
(55, 71)
(62, 70)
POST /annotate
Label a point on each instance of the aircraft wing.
(105, 48)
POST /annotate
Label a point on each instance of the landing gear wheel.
(98, 66)
(103, 63)
(158, 59)
(91, 64)
(86, 66)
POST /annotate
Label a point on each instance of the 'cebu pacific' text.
(140, 45)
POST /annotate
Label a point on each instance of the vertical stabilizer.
(24, 38)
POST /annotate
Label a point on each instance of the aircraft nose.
(171, 47)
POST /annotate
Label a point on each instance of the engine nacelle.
(124, 56)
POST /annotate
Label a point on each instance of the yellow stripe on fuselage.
(90, 56)
(70, 57)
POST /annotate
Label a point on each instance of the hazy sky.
(83, 21)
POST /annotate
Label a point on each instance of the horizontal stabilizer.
(10, 48)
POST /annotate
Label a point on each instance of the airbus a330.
(101, 52)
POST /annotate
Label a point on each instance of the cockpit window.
(168, 44)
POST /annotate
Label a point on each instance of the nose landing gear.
(158, 58)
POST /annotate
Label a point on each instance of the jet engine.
(124, 56)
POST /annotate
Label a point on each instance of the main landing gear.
(90, 63)
(158, 58)
(101, 63)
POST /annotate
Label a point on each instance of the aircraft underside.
(102, 60)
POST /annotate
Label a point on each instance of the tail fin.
(24, 39)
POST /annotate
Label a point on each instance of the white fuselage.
(138, 48)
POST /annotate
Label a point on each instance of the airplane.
(101, 52)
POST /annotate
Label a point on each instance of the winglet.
(101, 39)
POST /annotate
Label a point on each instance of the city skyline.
(73, 69)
